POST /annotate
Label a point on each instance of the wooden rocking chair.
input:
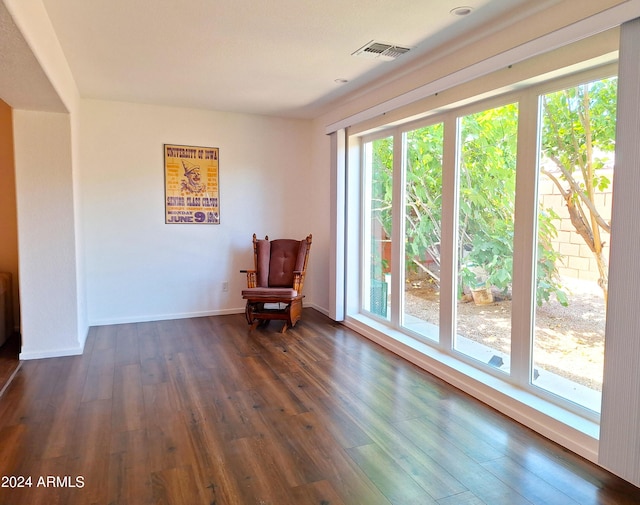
(274, 286)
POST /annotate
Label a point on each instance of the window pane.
(378, 169)
(423, 210)
(486, 199)
(574, 216)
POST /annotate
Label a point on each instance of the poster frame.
(191, 184)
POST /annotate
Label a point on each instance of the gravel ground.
(569, 340)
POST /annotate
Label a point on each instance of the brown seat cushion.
(269, 292)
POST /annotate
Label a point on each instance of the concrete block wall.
(578, 260)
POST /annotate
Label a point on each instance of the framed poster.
(192, 193)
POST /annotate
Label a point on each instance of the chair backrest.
(277, 260)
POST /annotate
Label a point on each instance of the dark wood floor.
(199, 411)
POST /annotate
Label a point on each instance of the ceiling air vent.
(382, 50)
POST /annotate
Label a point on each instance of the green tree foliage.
(381, 198)
(486, 201)
(578, 134)
(382, 183)
(423, 195)
(578, 138)
(487, 196)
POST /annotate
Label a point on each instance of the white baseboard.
(51, 353)
(322, 310)
(182, 315)
(164, 317)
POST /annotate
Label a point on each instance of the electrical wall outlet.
(225, 286)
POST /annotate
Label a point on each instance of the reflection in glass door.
(378, 192)
(486, 201)
(423, 214)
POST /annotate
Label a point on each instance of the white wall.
(46, 235)
(49, 169)
(139, 268)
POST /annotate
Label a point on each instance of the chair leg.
(257, 316)
(259, 323)
(295, 312)
(250, 309)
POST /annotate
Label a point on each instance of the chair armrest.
(298, 281)
(252, 280)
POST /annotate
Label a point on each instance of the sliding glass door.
(486, 200)
(422, 229)
(577, 134)
(377, 205)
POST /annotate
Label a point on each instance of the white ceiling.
(275, 57)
